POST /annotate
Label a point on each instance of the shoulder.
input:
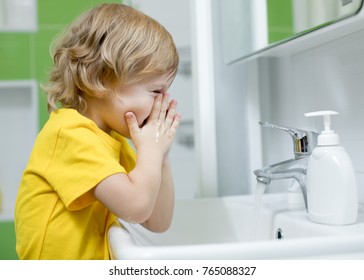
(69, 119)
(68, 125)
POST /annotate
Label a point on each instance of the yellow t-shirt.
(56, 213)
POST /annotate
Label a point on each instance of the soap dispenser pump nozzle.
(327, 136)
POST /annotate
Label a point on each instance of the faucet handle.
(304, 141)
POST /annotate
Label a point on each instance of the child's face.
(109, 113)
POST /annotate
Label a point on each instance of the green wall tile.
(43, 62)
(15, 56)
(64, 11)
(43, 112)
(7, 241)
(43, 59)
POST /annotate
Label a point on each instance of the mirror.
(249, 26)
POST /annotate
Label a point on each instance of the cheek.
(143, 110)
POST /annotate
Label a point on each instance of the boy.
(112, 69)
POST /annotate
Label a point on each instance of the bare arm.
(162, 214)
(146, 194)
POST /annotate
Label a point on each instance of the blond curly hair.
(109, 46)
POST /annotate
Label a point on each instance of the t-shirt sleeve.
(127, 154)
(81, 159)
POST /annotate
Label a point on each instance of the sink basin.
(232, 228)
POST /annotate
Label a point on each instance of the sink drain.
(279, 234)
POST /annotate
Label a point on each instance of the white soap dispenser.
(331, 181)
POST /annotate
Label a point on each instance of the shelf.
(315, 38)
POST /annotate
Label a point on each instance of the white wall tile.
(174, 15)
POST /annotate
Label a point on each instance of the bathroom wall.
(19, 127)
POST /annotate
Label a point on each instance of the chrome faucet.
(304, 142)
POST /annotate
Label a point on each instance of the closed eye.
(157, 91)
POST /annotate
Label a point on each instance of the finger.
(164, 107)
(156, 108)
(132, 123)
(171, 112)
(175, 124)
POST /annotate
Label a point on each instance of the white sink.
(223, 228)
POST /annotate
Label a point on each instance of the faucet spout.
(304, 142)
(294, 168)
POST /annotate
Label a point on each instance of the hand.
(160, 128)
